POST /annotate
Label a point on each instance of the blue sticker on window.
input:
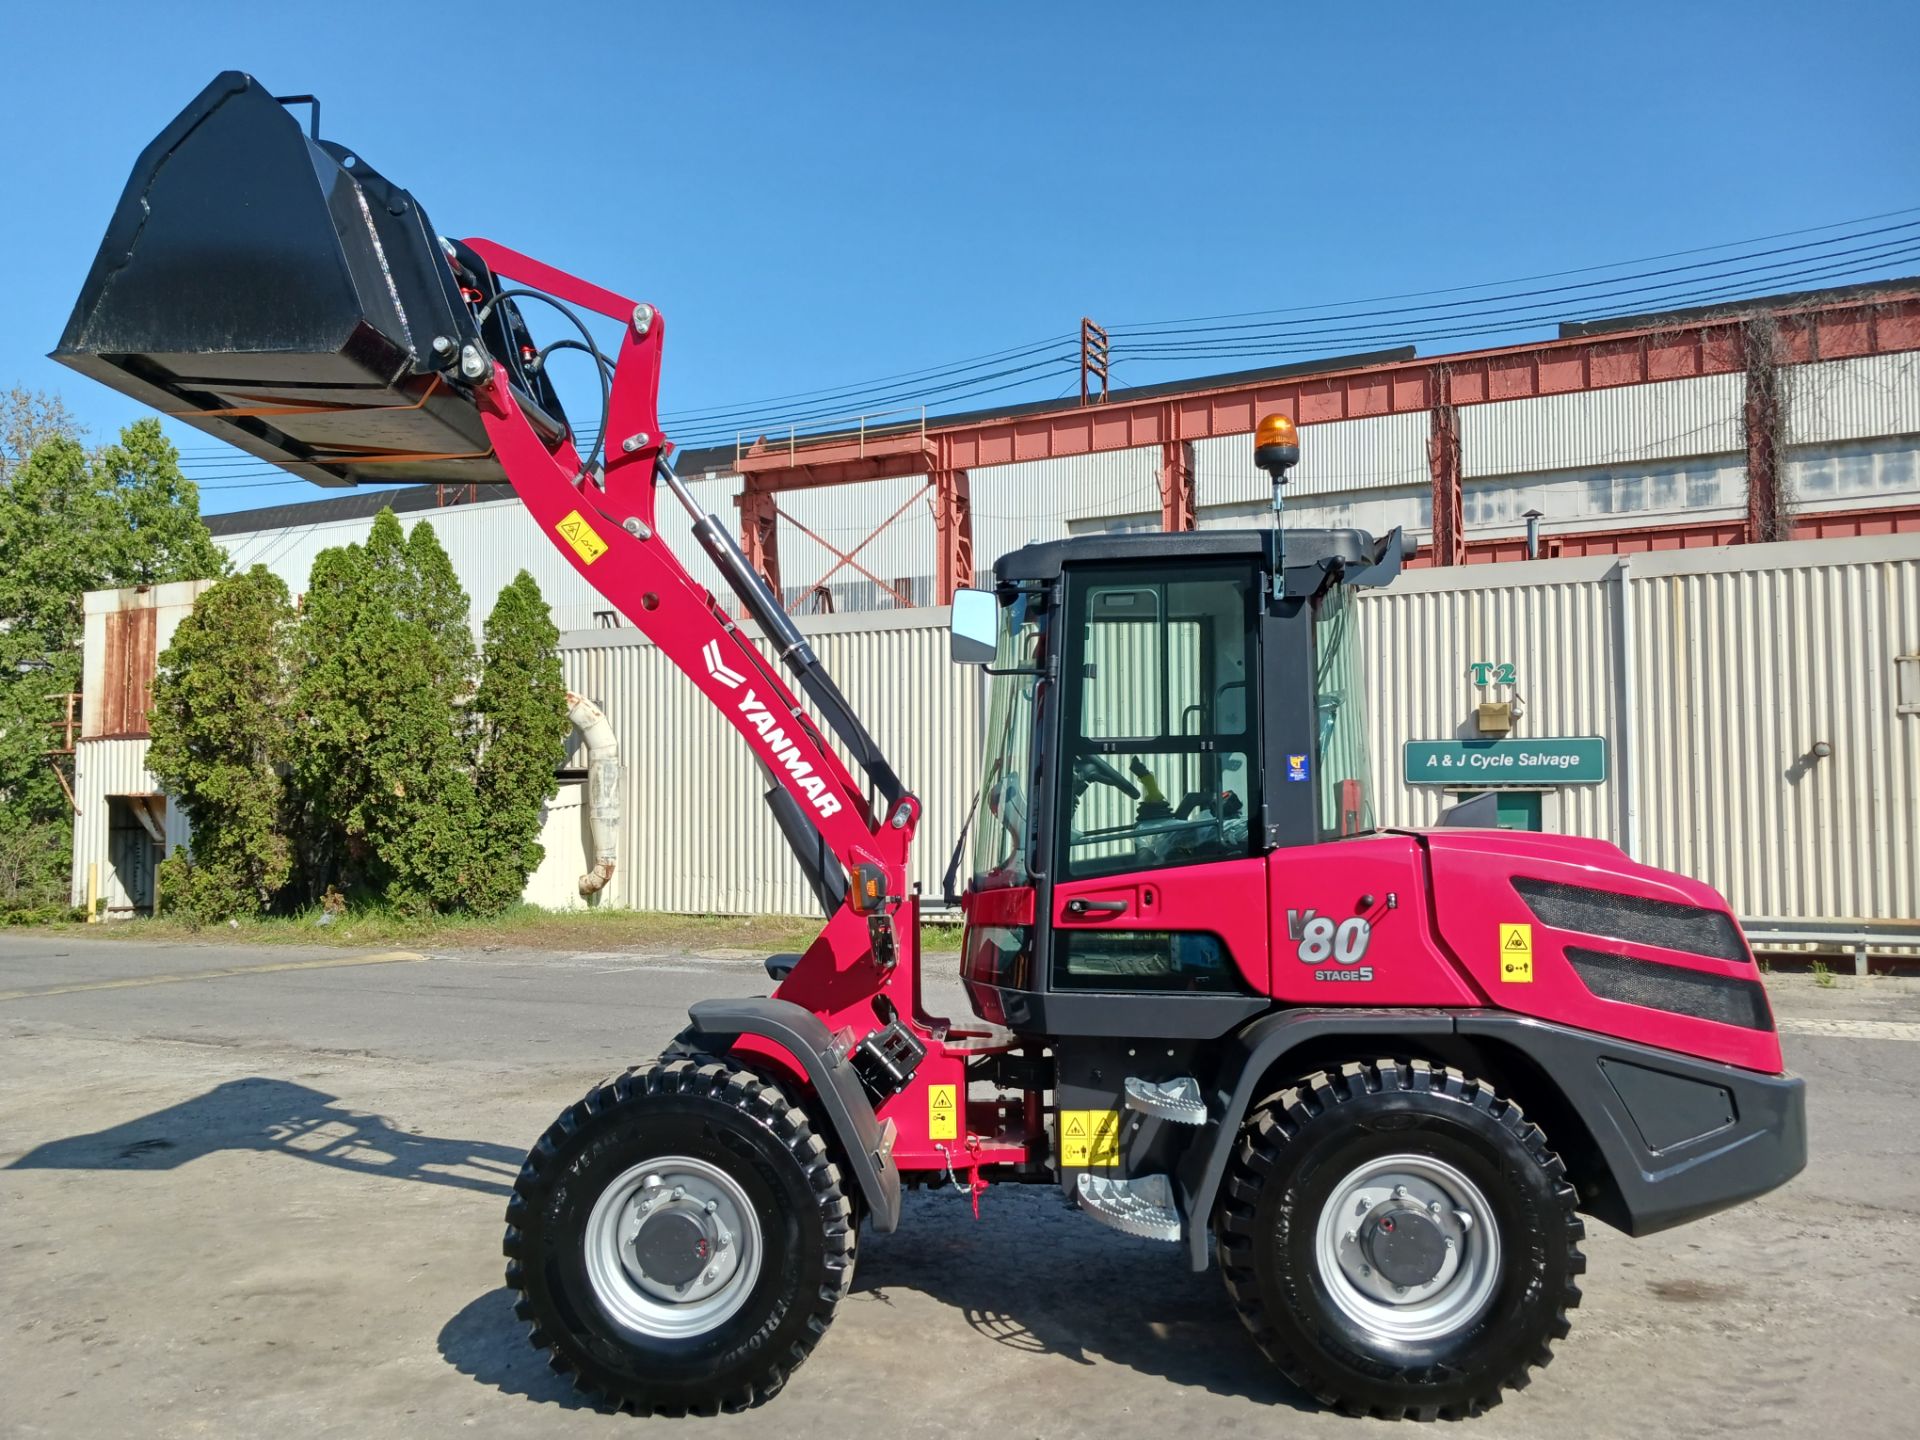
(1296, 767)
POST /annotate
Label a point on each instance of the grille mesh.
(1633, 918)
(1725, 998)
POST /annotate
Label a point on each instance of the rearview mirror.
(975, 627)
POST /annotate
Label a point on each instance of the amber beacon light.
(1276, 447)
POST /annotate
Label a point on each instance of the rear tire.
(1445, 1182)
(749, 1251)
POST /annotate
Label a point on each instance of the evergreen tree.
(384, 769)
(221, 745)
(522, 713)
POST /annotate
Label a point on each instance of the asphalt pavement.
(254, 1192)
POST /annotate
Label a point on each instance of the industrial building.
(1724, 505)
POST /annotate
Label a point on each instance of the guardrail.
(873, 425)
(1860, 937)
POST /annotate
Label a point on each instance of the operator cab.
(1165, 711)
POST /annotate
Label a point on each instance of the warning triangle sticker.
(1076, 1126)
(942, 1100)
(1516, 940)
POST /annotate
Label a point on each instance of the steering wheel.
(1088, 769)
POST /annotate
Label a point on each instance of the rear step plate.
(1176, 1100)
(1142, 1207)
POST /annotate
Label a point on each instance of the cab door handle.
(1078, 906)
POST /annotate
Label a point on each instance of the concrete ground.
(251, 1193)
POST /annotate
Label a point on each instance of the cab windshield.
(1003, 823)
(1346, 800)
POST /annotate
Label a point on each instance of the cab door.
(1159, 886)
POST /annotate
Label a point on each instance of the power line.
(1545, 275)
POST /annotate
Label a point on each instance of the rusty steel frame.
(1810, 330)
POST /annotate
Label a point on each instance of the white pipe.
(603, 789)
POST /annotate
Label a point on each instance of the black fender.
(1248, 1054)
(1672, 1137)
(843, 1100)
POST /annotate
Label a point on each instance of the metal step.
(1142, 1206)
(1177, 1100)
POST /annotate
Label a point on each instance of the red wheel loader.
(1377, 1076)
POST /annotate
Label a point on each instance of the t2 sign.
(1487, 672)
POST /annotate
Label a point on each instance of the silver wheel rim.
(1390, 1189)
(710, 1224)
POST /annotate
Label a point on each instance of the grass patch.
(523, 927)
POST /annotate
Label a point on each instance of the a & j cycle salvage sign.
(1566, 760)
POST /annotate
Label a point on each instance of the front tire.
(1399, 1240)
(679, 1239)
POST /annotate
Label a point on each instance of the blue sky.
(829, 194)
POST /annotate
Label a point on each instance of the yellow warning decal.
(1090, 1137)
(579, 534)
(1516, 953)
(943, 1112)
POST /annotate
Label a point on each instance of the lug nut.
(711, 1206)
(1360, 1208)
(1350, 1237)
(1399, 1289)
(679, 1192)
(1399, 1192)
(1366, 1270)
(708, 1277)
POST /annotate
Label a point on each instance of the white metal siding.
(103, 768)
(1554, 620)
(1668, 419)
(565, 840)
(1745, 665)
(697, 836)
(1875, 395)
(1374, 453)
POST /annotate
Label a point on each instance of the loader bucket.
(275, 290)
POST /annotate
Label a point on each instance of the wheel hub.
(672, 1248)
(1405, 1246)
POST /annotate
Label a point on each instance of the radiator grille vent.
(1725, 998)
(1633, 918)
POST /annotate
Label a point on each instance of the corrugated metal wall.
(1874, 395)
(104, 768)
(697, 836)
(1339, 455)
(1664, 420)
(1738, 662)
(1554, 620)
(1742, 670)
(1741, 661)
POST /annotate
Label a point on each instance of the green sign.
(1486, 672)
(1565, 760)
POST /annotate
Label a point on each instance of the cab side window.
(1158, 769)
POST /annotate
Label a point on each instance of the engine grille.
(1633, 918)
(1726, 998)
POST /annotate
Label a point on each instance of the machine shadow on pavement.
(1031, 1276)
(264, 1114)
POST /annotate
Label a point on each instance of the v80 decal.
(1341, 945)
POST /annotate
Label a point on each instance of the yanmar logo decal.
(785, 754)
(718, 669)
